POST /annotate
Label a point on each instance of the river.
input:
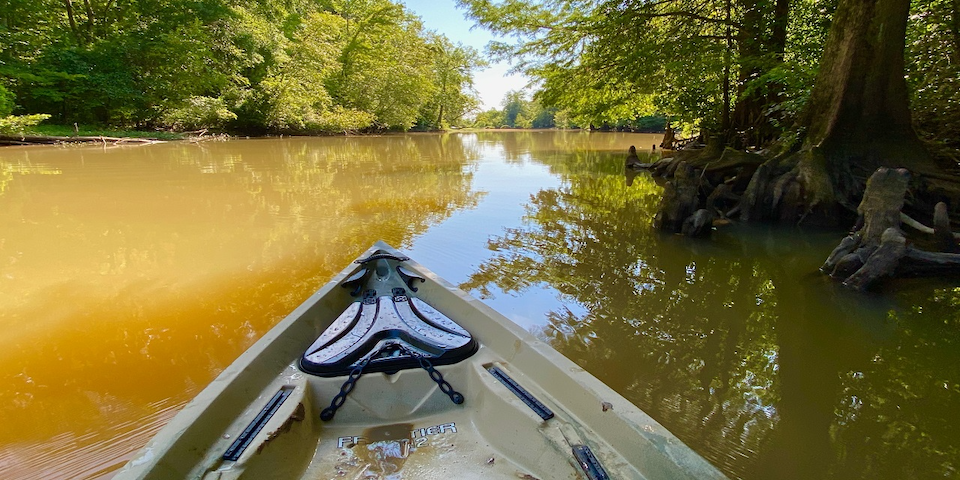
(131, 276)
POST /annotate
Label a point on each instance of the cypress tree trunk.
(761, 43)
(748, 117)
(858, 114)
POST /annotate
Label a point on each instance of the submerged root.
(878, 247)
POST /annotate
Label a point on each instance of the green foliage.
(933, 72)
(515, 104)
(518, 112)
(610, 62)
(454, 95)
(6, 102)
(280, 66)
(198, 113)
(652, 123)
(18, 124)
(492, 118)
(384, 66)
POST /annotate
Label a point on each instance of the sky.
(444, 17)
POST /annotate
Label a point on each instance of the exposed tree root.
(705, 187)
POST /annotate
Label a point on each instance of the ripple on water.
(91, 455)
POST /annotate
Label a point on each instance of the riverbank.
(65, 134)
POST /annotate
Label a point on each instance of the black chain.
(445, 387)
(327, 414)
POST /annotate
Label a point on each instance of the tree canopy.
(263, 66)
(744, 68)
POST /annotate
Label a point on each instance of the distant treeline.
(283, 66)
(520, 112)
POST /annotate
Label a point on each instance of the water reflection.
(735, 345)
(129, 277)
(132, 276)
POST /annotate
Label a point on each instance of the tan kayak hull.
(402, 425)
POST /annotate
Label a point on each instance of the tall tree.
(454, 95)
(267, 65)
(858, 116)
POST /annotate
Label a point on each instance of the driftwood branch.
(916, 225)
(921, 261)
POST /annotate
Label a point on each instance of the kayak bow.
(390, 372)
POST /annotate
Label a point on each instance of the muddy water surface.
(131, 276)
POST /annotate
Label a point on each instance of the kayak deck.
(527, 412)
(401, 424)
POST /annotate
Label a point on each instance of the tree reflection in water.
(737, 345)
(132, 276)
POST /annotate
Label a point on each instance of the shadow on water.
(738, 345)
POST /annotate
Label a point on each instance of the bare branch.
(916, 225)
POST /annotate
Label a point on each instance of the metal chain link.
(327, 414)
(445, 387)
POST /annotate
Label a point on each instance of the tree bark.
(946, 242)
(679, 200)
(90, 18)
(858, 113)
(857, 119)
(72, 19)
(748, 112)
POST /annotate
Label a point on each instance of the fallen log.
(56, 140)
(920, 262)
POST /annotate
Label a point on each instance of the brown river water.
(131, 276)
